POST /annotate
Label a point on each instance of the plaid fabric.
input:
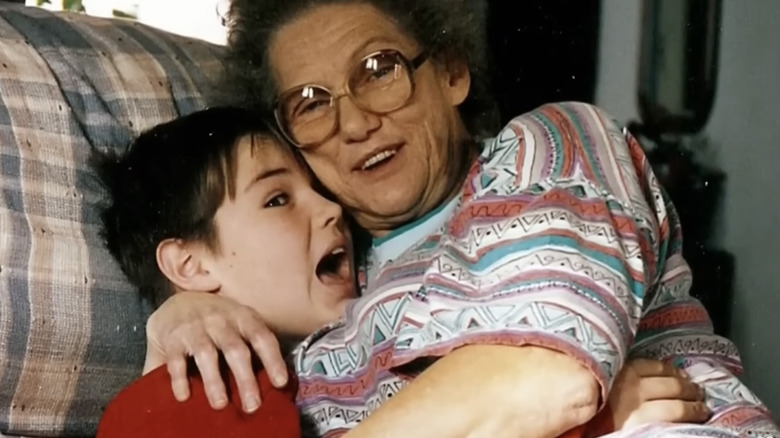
(71, 327)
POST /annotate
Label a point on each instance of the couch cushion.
(71, 327)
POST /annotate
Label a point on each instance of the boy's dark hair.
(455, 28)
(169, 184)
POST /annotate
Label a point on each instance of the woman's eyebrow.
(375, 40)
(265, 174)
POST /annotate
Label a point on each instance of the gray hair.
(444, 28)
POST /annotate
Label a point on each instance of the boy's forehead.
(261, 148)
(257, 153)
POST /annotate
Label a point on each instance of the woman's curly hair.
(442, 27)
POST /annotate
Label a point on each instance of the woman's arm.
(489, 391)
(645, 392)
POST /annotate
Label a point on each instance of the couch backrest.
(71, 327)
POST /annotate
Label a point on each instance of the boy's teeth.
(338, 251)
(377, 158)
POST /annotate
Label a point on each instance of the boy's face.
(282, 248)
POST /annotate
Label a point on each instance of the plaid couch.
(71, 327)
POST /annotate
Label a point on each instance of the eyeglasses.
(381, 83)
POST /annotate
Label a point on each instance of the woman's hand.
(201, 325)
(651, 391)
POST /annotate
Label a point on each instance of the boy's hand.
(201, 325)
(651, 391)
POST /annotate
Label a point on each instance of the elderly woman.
(537, 260)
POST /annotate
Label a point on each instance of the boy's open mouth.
(334, 267)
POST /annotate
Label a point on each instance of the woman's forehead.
(328, 40)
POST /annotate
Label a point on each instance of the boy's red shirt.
(148, 408)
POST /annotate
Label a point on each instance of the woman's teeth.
(378, 158)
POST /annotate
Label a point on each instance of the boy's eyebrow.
(269, 173)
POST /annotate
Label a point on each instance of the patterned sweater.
(561, 237)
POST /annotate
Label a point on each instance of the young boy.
(214, 202)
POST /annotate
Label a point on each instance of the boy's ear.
(185, 266)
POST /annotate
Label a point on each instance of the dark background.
(543, 51)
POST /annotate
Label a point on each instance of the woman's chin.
(394, 209)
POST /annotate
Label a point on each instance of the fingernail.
(279, 380)
(180, 396)
(251, 404)
(220, 403)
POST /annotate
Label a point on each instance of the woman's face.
(386, 169)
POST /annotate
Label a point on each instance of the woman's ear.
(458, 79)
(185, 265)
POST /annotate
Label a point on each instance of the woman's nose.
(355, 124)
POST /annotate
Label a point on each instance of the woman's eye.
(311, 106)
(315, 105)
(278, 201)
(382, 72)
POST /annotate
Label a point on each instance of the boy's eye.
(278, 201)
